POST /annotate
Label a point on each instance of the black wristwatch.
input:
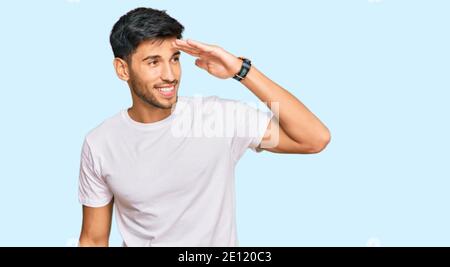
(246, 65)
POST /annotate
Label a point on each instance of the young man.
(167, 163)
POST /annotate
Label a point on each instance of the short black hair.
(139, 25)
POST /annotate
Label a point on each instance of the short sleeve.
(92, 188)
(250, 126)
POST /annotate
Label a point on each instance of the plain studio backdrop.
(376, 72)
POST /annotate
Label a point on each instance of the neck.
(147, 113)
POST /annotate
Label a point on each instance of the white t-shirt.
(172, 180)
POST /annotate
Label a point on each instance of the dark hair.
(139, 25)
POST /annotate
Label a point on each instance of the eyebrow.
(158, 56)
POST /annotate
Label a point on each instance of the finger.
(190, 51)
(183, 43)
(201, 46)
(186, 48)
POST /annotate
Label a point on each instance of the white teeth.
(166, 89)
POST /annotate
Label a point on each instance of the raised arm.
(298, 129)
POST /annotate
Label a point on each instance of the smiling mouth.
(166, 91)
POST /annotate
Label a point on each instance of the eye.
(153, 63)
(176, 59)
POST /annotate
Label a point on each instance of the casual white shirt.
(173, 180)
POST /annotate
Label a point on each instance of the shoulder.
(105, 130)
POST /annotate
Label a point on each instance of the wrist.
(244, 68)
(236, 67)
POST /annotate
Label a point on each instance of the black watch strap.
(246, 65)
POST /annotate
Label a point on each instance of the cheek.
(149, 76)
(176, 70)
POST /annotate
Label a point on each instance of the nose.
(167, 73)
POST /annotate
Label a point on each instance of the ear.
(121, 67)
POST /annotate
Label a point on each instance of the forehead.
(160, 47)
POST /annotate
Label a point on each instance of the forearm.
(86, 241)
(295, 119)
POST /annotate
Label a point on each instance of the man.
(167, 165)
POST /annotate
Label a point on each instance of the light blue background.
(376, 72)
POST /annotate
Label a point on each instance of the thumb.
(201, 63)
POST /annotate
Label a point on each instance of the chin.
(168, 103)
